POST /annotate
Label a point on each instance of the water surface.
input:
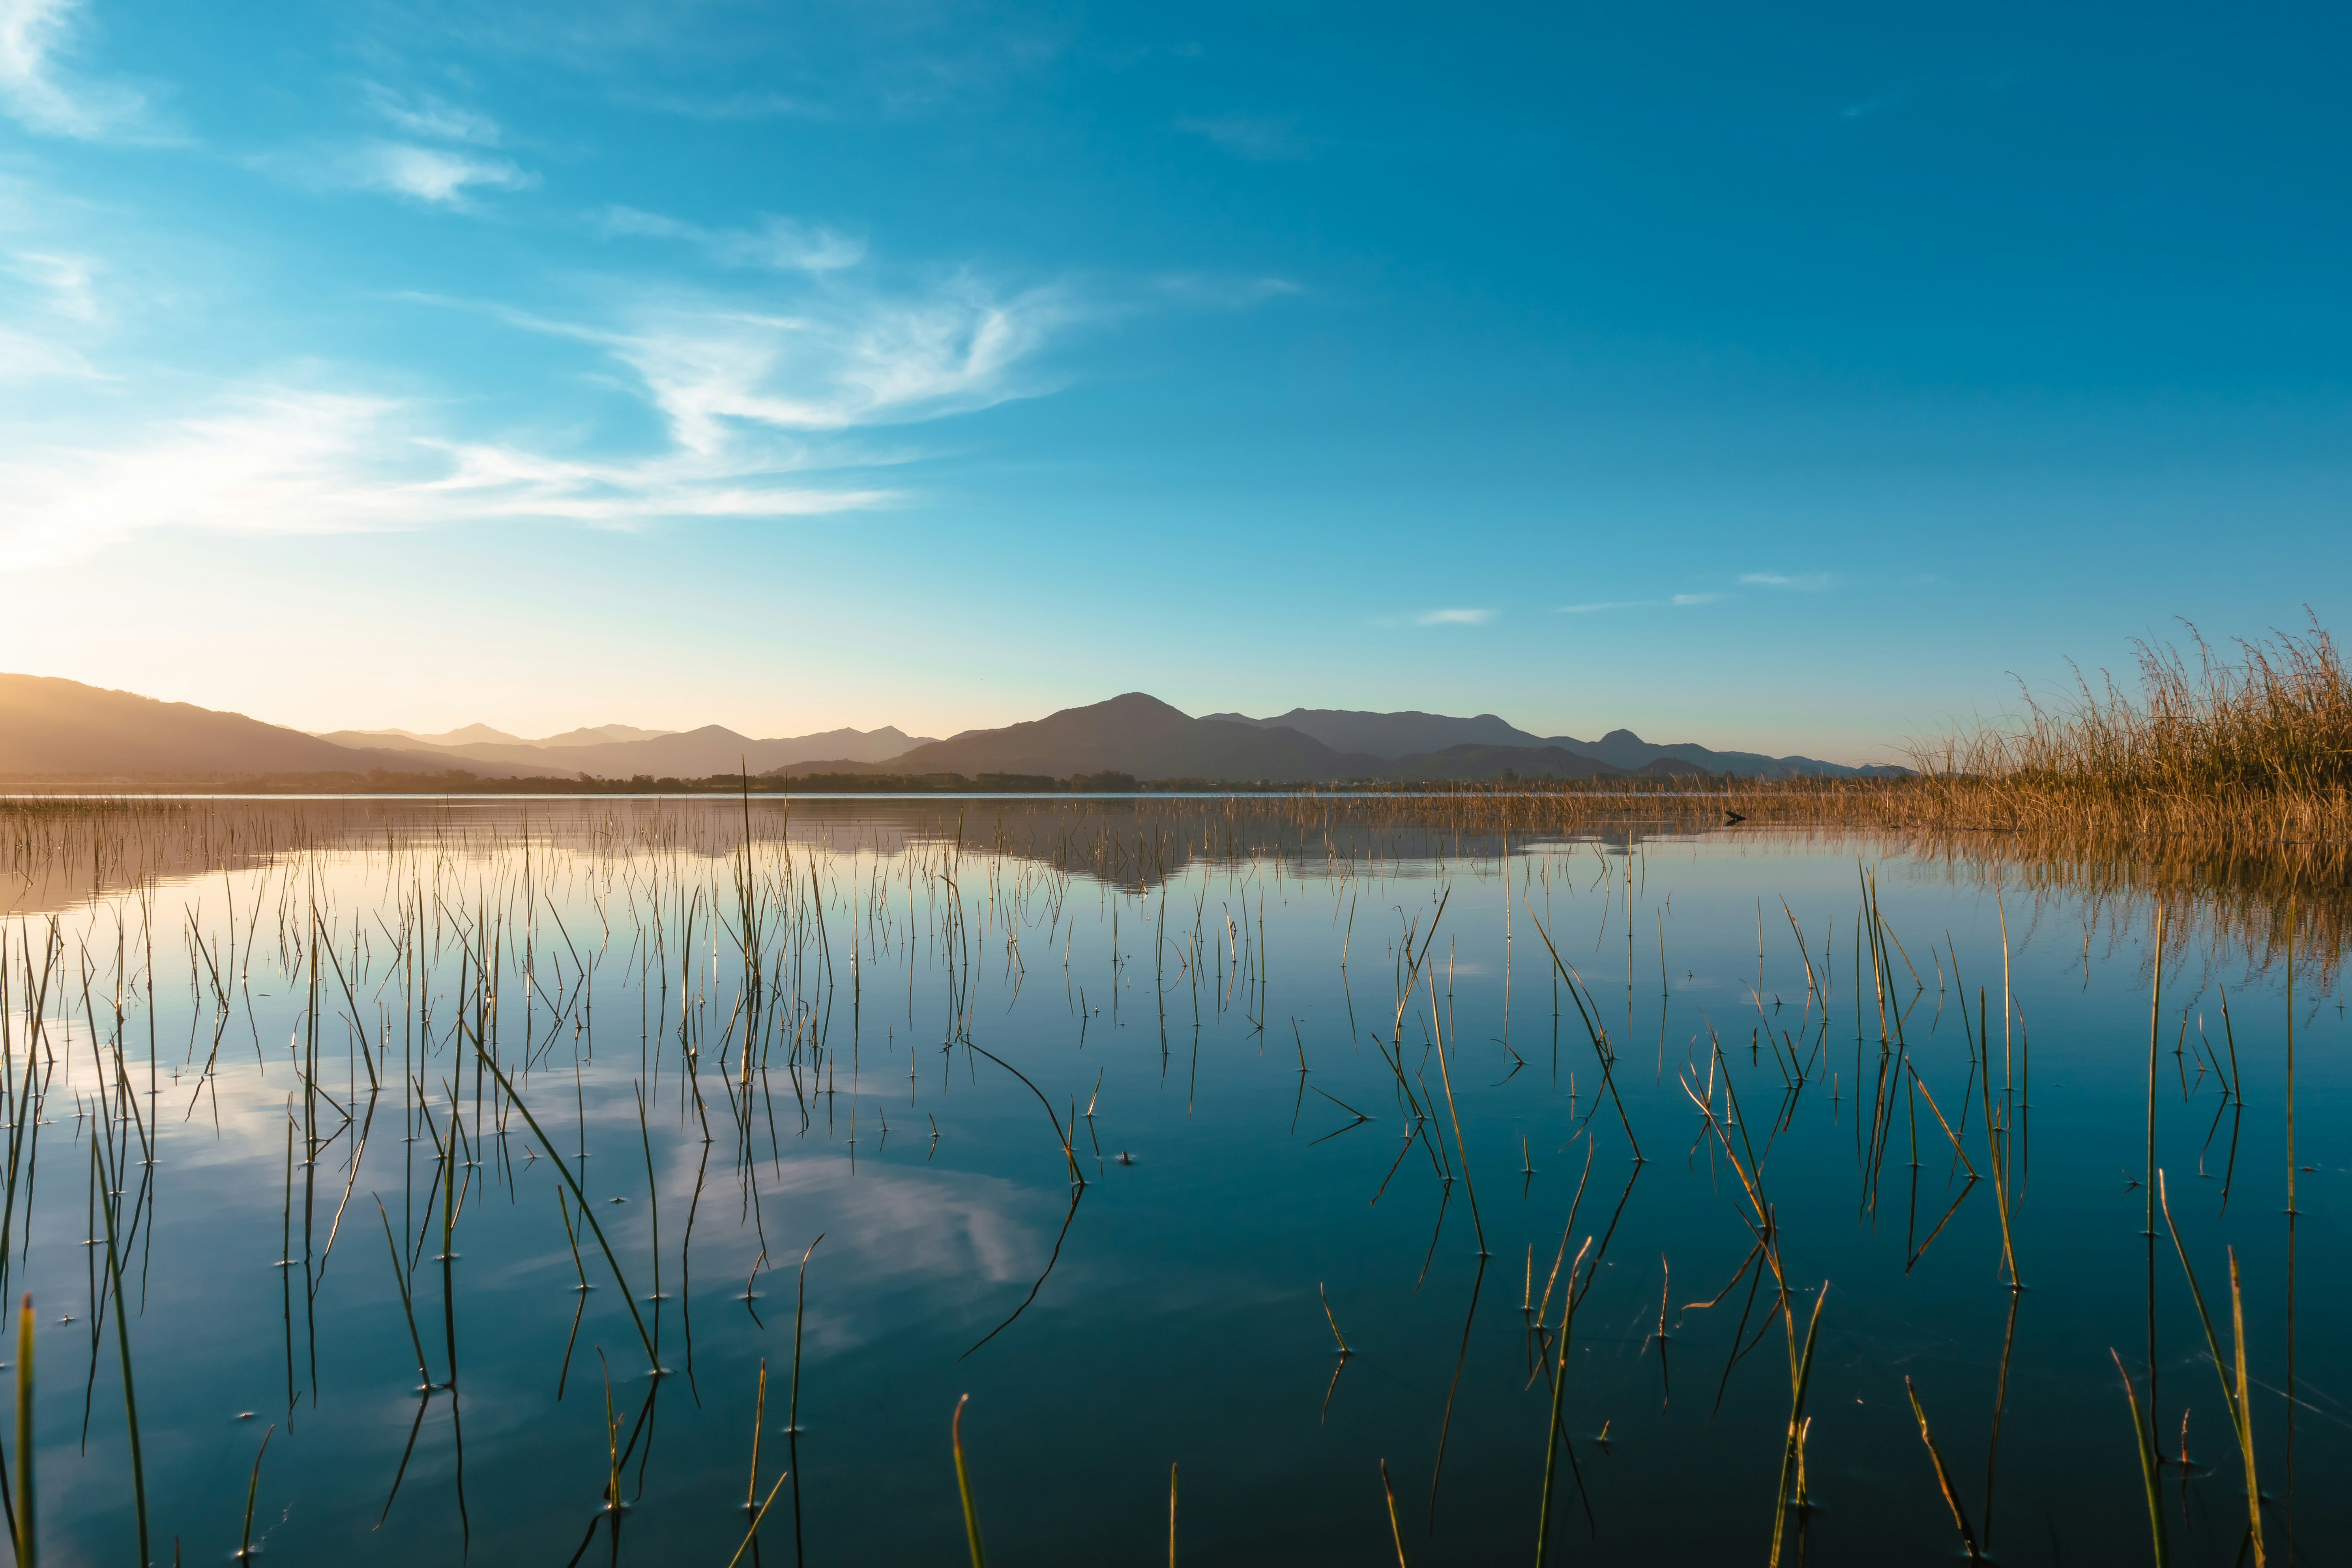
(1318, 1074)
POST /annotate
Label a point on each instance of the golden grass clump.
(2269, 733)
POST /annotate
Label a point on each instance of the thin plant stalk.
(1792, 1450)
(1943, 1476)
(753, 1533)
(1552, 1437)
(122, 1346)
(252, 1489)
(1396, 1532)
(27, 1538)
(793, 1420)
(2233, 1391)
(2150, 1481)
(963, 1486)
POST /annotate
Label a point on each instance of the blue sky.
(1770, 379)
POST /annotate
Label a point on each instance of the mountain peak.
(1138, 702)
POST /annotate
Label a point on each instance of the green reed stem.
(26, 1538)
(122, 1346)
(573, 1182)
(2150, 1481)
(963, 1486)
(1552, 1436)
(252, 1489)
(1791, 1452)
(2234, 1393)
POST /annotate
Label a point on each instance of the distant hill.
(1389, 734)
(483, 735)
(1142, 736)
(56, 728)
(1404, 734)
(1135, 734)
(1470, 764)
(447, 737)
(53, 727)
(601, 734)
(1629, 750)
(691, 754)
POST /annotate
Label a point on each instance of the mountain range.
(1140, 736)
(478, 735)
(659, 754)
(1398, 736)
(52, 728)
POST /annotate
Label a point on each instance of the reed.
(758, 1417)
(1553, 1438)
(2235, 1389)
(27, 1538)
(1943, 1476)
(579, 1196)
(252, 1491)
(108, 1204)
(407, 1305)
(2150, 1464)
(963, 1487)
(2276, 719)
(1396, 1532)
(793, 1420)
(752, 1534)
(1792, 1450)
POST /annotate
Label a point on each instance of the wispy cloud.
(832, 359)
(1224, 293)
(1260, 138)
(434, 176)
(1453, 617)
(430, 117)
(755, 392)
(52, 314)
(64, 281)
(1597, 606)
(287, 460)
(1802, 581)
(752, 395)
(41, 92)
(777, 242)
(26, 356)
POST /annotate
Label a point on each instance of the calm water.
(1260, 1129)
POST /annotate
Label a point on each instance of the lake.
(1268, 1139)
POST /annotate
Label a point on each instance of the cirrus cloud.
(289, 460)
(434, 176)
(1799, 582)
(1599, 605)
(38, 90)
(777, 243)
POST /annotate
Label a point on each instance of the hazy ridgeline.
(1215, 1133)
